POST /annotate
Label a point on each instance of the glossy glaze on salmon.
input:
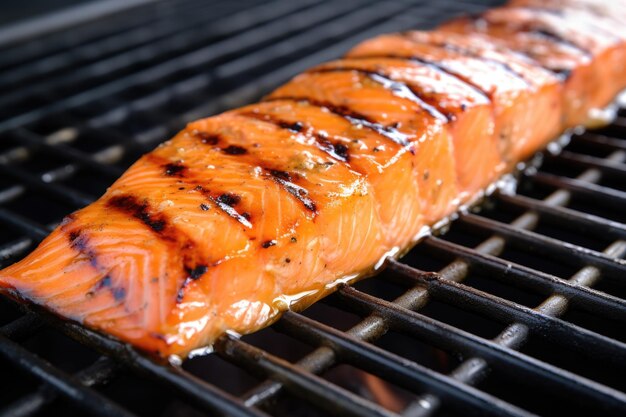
(525, 103)
(268, 207)
(584, 51)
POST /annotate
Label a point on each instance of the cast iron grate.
(509, 325)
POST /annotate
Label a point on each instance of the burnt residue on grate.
(517, 310)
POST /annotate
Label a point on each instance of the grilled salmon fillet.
(265, 208)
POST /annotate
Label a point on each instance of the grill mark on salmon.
(563, 74)
(154, 220)
(551, 36)
(333, 148)
(234, 150)
(79, 241)
(192, 275)
(226, 203)
(285, 179)
(486, 94)
(563, 15)
(163, 229)
(223, 201)
(206, 138)
(469, 53)
(354, 118)
(297, 191)
(175, 169)
(398, 88)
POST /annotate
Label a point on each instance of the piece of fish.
(269, 207)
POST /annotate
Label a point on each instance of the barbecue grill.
(518, 309)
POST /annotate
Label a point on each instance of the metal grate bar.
(82, 159)
(594, 301)
(307, 386)
(273, 28)
(23, 224)
(228, 47)
(391, 367)
(454, 340)
(609, 168)
(602, 141)
(99, 373)
(106, 69)
(21, 328)
(102, 48)
(554, 330)
(604, 194)
(57, 191)
(87, 21)
(535, 242)
(14, 249)
(472, 370)
(64, 384)
(204, 395)
(582, 222)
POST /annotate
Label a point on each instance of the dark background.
(17, 11)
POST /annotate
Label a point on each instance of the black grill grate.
(80, 104)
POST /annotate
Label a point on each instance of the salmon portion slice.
(183, 246)
(522, 115)
(583, 54)
(543, 84)
(468, 112)
(398, 115)
(386, 166)
(599, 27)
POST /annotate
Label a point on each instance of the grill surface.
(509, 325)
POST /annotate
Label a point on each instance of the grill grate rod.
(609, 168)
(81, 159)
(105, 68)
(607, 195)
(391, 367)
(58, 380)
(118, 42)
(601, 141)
(535, 242)
(57, 191)
(204, 395)
(450, 338)
(582, 222)
(24, 225)
(305, 385)
(23, 53)
(205, 56)
(594, 301)
(554, 330)
(98, 373)
(515, 335)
